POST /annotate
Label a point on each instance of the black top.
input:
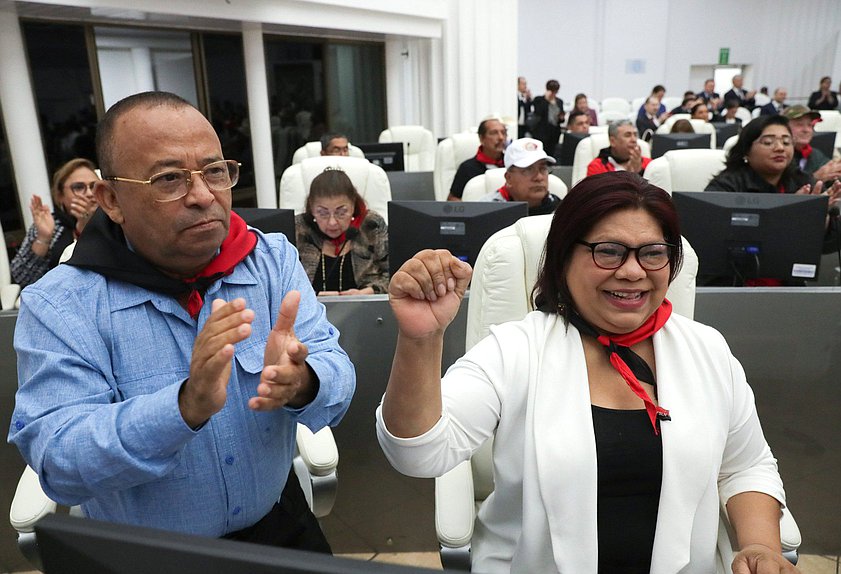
(468, 169)
(339, 274)
(630, 472)
(830, 103)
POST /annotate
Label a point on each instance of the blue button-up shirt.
(100, 364)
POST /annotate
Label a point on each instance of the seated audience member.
(824, 98)
(578, 122)
(776, 105)
(761, 162)
(738, 93)
(164, 367)
(492, 138)
(523, 106)
(658, 92)
(527, 177)
(51, 233)
(686, 106)
(727, 115)
(648, 122)
(710, 97)
(700, 111)
(343, 246)
(623, 154)
(549, 109)
(599, 402)
(811, 160)
(335, 144)
(682, 126)
(581, 105)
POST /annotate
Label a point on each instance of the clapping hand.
(82, 207)
(426, 292)
(42, 218)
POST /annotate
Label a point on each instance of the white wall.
(585, 46)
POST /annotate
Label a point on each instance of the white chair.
(685, 169)
(744, 115)
(450, 154)
(600, 129)
(315, 466)
(505, 272)
(313, 149)
(700, 127)
(671, 102)
(418, 146)
(830, 122)
(488, 182)
(620, 105)
(728, 145)
(587, 150)
(756, 112)
(761, 99)
(369, 180)
(666, 126)
(8, 291)
(610, 116)
(636, 104)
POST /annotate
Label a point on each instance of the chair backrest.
(589, 148)
(637, 103)
(756, 112)
(685, 169)
(418, 146)
(620, 105)
(488, 182)
(666, 127)
(506, 270)
(449, 154)
(600, 129)
(761, 99)
(313, 149)
(610, 116)
(731, 141)
(744, 115)
(369, 180)
(671, 102)
(830, 122)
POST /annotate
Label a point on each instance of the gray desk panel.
(414, 185)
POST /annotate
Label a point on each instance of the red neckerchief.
(503, 191)
(614, 345)
(806, 151)
(239, 243)
(339, 242)
(480, 155)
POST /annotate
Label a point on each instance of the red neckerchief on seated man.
(631, 366)
(102, 248)
(486, 159)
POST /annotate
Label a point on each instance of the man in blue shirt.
(144, 404)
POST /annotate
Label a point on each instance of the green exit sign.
(724, 56)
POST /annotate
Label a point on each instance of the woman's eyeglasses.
(340, 214)
(79, 187)
(771, 141)
(612, 255)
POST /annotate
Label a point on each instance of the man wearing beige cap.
(802, 121)
(527, 177)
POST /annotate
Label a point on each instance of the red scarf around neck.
(486, 159)
(627, 340)
(806, 151)
(239, 243)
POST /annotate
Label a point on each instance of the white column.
(20, 115)
(144, 77)
(259, 114)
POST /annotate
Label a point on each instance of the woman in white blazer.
(619, 428)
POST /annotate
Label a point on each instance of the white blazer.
(526, 383)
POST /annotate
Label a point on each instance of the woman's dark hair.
(750, 133)
(330, 183)
(580, 97)
(553, 85)
(825, 79)
(682, 126)
(590, 201)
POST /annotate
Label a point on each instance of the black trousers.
(289, 524)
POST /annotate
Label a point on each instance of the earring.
(313, 219)
(562, 309)
(745, 159)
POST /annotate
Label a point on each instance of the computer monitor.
(270, 220)
(462, 227)
(565, 151)
(388, 156)
(724, 131)
(740, 236)
(73, 545)
(824, 141)
(661, 143)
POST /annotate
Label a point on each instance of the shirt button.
(330, 330)
(237, 510)
(19, 424)
(229, 460)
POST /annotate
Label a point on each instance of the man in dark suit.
(648, 122)
(737, 92)
(710, 96)
(523, 106)
(777, 105)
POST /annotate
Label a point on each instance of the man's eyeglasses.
(173, 184)
(340, 214)
(611, 255)
(79, 187)
(770, 141)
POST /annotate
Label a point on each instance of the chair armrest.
(29, 504)
(9, 296)
(789, 532)
(318, 450)
(455, 508)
